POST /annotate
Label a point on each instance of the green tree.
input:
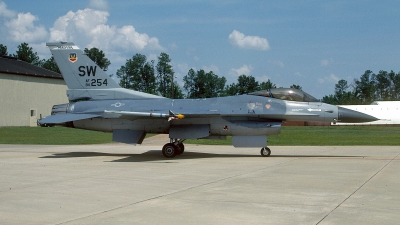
(177, 91)
(370, 87)
(341, 92)
(26, 53)
(245, 84)
(50, 64)
(295, 86)
(341, 87)
(365, 87)
(138, 74)
(148, 82)
(267, 85)
(203, 85)
(394, 86)
(230, 90)
(383, 85)
(98, 57)
(3, 50)
(190, 84)
(165, 75)
(343, 96)
(122, 74)
(329, 99)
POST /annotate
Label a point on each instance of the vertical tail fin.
(85, 79)
(78, 70)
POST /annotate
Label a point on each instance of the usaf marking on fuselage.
(118, 104)
(97, 102)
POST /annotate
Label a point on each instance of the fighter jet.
(97, 102)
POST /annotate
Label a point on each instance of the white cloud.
(23, 29)
(6, 13)
(127, 36)
(263, 78)
(213, 68)
(41, 49)
(329, 79)
(245, 69)
(248, 42)
(334, 78)
(90, 28)
(298, 74)
(152, 56)
(98, 4)
(326, 62)
(183, 68)
(20, 27)
(86, 25)
(173, 46)
(277, 63)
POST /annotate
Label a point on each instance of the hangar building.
(27, 92)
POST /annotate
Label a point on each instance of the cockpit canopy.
(290, 94)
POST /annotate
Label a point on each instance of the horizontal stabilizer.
(67, 117)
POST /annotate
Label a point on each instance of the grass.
(52, 136)
(290, 136)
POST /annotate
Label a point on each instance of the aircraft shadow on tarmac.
(155, 155)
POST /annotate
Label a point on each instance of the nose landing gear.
(265, 152)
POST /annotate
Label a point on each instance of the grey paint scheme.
(130, 114)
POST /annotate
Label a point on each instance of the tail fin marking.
(85, 79)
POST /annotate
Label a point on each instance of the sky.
(311, 43)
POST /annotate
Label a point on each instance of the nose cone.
(351, 116)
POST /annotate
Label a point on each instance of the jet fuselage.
(235, 115)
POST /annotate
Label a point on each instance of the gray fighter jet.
(98, 103)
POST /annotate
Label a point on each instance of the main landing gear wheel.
(174, 148)
(180, 148)
(265, 152)
(169, 150)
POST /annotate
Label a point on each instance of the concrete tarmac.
(123, 184)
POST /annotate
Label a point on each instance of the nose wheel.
(265, 152)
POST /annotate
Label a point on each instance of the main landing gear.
(265, 152)
(175, 147)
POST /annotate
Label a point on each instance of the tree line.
(143, 75)
(384, 86)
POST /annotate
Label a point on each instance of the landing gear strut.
(265, 152)
(175, 147)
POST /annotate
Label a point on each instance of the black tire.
(265, 152)
(180, 149)
(169, 150)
